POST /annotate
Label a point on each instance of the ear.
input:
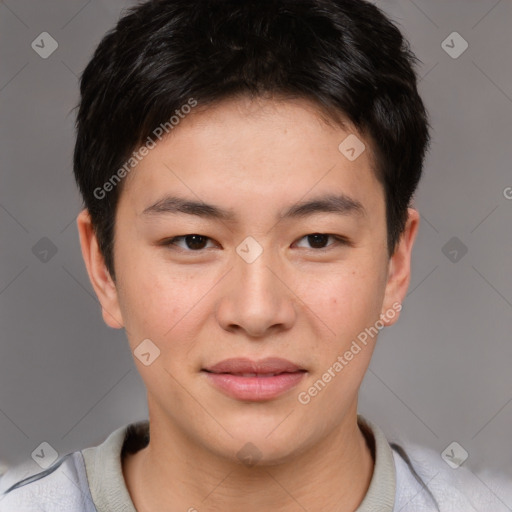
(399, 270)
(101, 280)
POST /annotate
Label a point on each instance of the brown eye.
(319, 241)
(191, 242)
(195, 241)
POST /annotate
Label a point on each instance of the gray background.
(442, 374)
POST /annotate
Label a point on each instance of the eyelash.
(339, 240)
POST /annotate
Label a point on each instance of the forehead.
(274, 151)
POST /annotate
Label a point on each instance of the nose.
(255, 300)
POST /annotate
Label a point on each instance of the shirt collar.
(108, 488)
(380, 496)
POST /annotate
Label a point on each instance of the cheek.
(169, 312)
(347, 303)
(158, 303)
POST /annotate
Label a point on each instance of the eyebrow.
(330, 203)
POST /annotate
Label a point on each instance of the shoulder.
(425, 482)
(62, 487)
(75, 481)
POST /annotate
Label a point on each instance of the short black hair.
(346, 56)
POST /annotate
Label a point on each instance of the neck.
(332, 475)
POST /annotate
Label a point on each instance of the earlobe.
(99, 276)
(399, 271)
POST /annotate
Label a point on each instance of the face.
(286, 270)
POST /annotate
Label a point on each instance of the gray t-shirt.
(109, 492)
(410, 479)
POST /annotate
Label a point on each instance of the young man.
(247, 170)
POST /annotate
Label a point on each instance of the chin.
(263, 446)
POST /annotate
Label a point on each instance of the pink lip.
(245, 379)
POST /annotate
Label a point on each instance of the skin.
(297, 301)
